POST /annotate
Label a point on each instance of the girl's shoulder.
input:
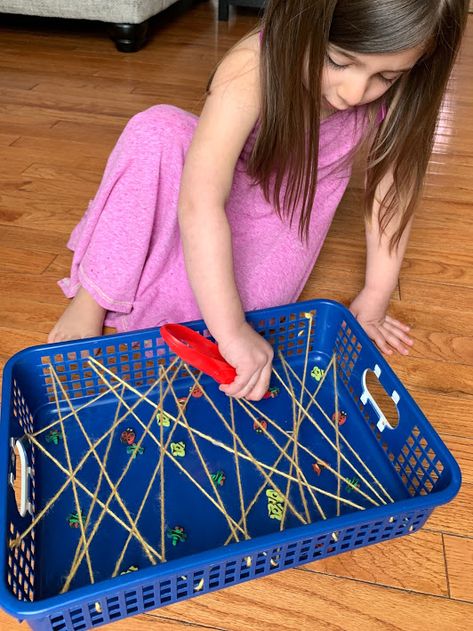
(229, 115)
(250, 42)
(241, 61)
(237, 77)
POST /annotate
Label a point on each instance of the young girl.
(213, 216)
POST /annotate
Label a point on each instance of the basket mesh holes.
(76, 615)
(114, 614)
(261, 563)
(417, 464)
(229, 579)
(165, 591)
(113, 607)
(214, 579)
(149, 597)
(198, 581)
(229, 572)
(58, 623)
(347, 350)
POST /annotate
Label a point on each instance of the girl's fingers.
(243, 393)
(262, 384)
(393, 339)
(379, 339)
(238, 385)
(242, 385)
(398, 332)
(390, 334)
(396, 343)
(252, 388)
(404, 327)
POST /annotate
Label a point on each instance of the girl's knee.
(160, 123)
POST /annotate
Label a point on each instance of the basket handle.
(366, 395)
(24, 505)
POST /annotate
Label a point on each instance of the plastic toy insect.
(196, 391)
(54, 436)
(260, 426)
(317, 373)
(176, 534)
(178, 449)
(74, 519)
(219, 478)
(342, 417)
(275, 504)
(128, 436)
(163, 418)
(134, 450)
(317, 468)
(354, 483)
(272, 393)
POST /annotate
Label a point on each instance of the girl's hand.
(386, 332)
(251, 356)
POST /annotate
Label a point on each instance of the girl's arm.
(228, 117)
(382, 274)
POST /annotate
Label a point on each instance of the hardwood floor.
(65, 95)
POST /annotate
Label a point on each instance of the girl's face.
(351, 79)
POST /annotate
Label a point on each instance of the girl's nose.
(352, 91)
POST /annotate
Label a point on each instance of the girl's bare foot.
(82, 318)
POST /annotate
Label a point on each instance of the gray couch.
(224, 6)
(128, 17)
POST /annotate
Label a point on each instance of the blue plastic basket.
(409, 460)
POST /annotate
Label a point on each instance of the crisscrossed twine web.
(374, 492)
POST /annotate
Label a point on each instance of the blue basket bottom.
(213, 487)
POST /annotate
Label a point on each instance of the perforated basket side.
(413, 449)
(152, 594)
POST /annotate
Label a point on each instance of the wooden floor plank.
(450, 415)
(455, 518)
(459, 556)
(21, 260)
(415, 563)
(436, 319)
(301, 600)
(457, 269)
(50, 242)
(462, 450)
(437, 376)
(452, 348)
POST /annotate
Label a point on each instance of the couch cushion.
(131, 11)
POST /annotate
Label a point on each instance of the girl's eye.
(387, 81)
(332, 63)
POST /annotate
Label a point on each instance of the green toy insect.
(74, 519)
(218, 478)
(176, 534)
(54, 436)
(134, 450)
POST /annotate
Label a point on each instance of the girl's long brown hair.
(296, 34)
